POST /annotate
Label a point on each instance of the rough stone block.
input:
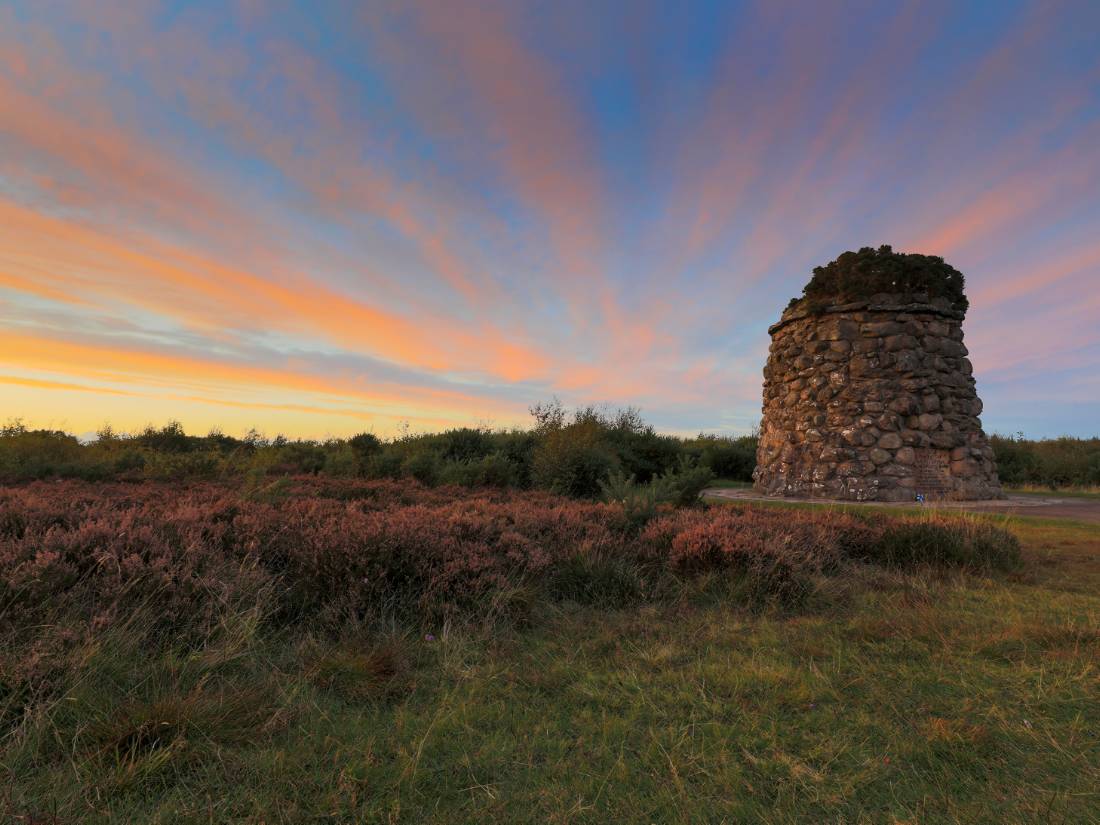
(905, 455)
(894, 343)
(837, 329)
(904, 405)
(882, 329)
(929, 421)
(890, 441)
(848, 469)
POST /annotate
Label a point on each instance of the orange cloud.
(41, 384)
(81, 262)
(121, 365)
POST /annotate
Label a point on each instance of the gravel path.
(1053, 506)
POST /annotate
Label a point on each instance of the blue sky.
(332, 217)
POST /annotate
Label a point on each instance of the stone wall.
(873, 401)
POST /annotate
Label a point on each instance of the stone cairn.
(873, 400)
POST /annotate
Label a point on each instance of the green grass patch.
(1092, 493)
(730, 484)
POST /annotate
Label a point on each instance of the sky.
(326, 218)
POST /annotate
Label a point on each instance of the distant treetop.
(856, 276)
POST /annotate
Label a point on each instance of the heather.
(306, 648)
(373, 548)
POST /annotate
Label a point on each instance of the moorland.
(529, 626)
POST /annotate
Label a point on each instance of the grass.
(1059, 492)
(902, 697)
(730, 484)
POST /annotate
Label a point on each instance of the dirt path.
(1053, 506)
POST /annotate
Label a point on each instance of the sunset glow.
(340, 217)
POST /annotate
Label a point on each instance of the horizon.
(320, 222)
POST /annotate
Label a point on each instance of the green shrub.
(495, 470)
(165, 466)
(639, 501)
(37, 453)
(518, 448)
(466, 444)
(459, 473)
(727, 457)
(385, 464)
(686, 483)
(364, 446)
(424, 467)
(168, 439)
(129, 461)
(300, 457)
(340, 461)
(641, 452)
(573, 460)
(1051, 462)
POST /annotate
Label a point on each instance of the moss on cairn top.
(862, 275)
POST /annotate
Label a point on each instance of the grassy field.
(1060, 492)
(730, 484)
(923, 696)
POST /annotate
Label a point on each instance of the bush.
(340, 461)
(639, 502)
(387, 464)
(424, 467)
(1053, 462)
(38, 453)
(687, 483)
(364, 446)
(727, 457)
(641, 452)
(573, 460)
(465, 445)
(572, 455)
(168, 439)
(496, 470)
(166, 466)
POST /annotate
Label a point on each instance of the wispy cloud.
(401, 211)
